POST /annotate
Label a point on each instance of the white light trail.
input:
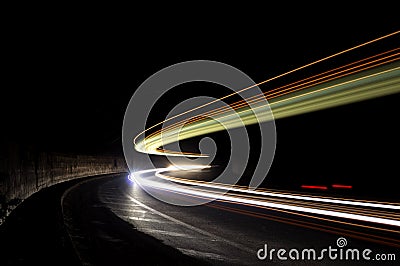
(237, 198)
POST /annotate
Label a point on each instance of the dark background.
(69, 78)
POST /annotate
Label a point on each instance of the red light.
(342, 186)
(315, 187)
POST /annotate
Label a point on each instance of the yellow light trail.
(290, 88)
(279, 76)
(370, 79)
(153, 143)
(371, 83)
(365, 79)
(299, 85)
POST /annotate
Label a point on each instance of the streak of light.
(314, 187)
(213, 185)
(318, 226)
(264, 202)
(367, 84)
(342, 186)
(324, 206)
(369, 78)
(294, 213)
(276, 77)
(311, 225)
(296, 86)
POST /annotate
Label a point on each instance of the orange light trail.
(276, 77)
(289, 88)
(298, 97)
(270, 79)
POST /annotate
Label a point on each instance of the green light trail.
(364, 85)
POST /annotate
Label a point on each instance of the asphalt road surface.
(112, 221)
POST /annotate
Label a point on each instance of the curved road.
(114, 221)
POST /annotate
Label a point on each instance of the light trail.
(364, 79)
(342, 71)
(372, 77)
(372, 83)
(317, 225)
(293, 199)
(303, 223)
(273, 78)
(342, 186)
(158, 172)
(300, 205)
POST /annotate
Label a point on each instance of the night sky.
(71, 79)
